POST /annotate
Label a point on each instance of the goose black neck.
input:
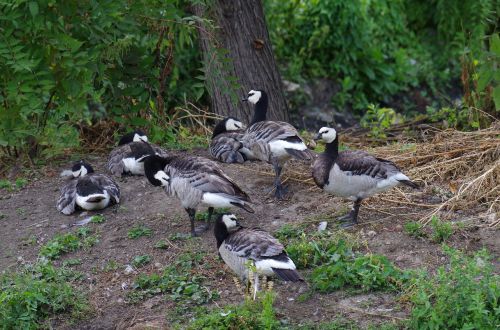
(219, 128)
(332, 149)
(220, 232)
(260, 111)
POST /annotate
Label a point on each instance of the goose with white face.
(163, 177)
(233, 125)
(326, 134)
(230, 221)
(254, 96)
(138, 138)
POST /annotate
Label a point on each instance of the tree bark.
(242, 31)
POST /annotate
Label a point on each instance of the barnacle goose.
(353, 174)
(195, 180)
(226, 145)
(128, 157)
(87, 190)
(272, 141)
(252, 251)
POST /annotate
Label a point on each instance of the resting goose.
(274, 142)
(195, 180)
(225, 145)
(87, 190)
(353, 174)
(128, 157)
(239, 246)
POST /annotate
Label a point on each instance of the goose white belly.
(133, 166)
(83, 202)
(344, 184)
(277, 148)
(265, 266)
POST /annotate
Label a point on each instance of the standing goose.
(274, 142)
(226, 145)
(238, 246)
(128, 157)
(353, 174)
(87, 190)
(195, 180)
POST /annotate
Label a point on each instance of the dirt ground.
(29, 219)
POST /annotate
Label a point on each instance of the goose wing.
(225, 147)
(108, 184)
(135, 150)
(362, 163)
(67, 200)
(253, 243)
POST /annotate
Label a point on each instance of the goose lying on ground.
(274, 142)
(128, 157)
(195, 180)
(353, 174)
(238, 246)
(87, 190)
(226, 145)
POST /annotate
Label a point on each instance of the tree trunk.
(242, 31)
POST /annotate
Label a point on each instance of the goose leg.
(191, 213)
(206, 226)
(255, 285)
(351, 218)
(280, 191)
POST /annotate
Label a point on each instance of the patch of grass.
(72, 262)
(179, 281)
(202, 216)
(363, 272)
(441, 230)
(111, 265)
(99, 218)
(250, 315)
(69, 242)
(179, 237)
(462, 295)
(288, 231)
(139, 231)
(414, 229)
(30, 297)
(5, 184)
(140, 261)
(32, 240)
(21, 183)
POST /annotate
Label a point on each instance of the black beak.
(318, 137)
(245, 99)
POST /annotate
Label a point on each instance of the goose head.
(81, 168)
(154, 168)
(327, 134)
(225, 224)
(255, 96)
(233, 124)
(134, 136)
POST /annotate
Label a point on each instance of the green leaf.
(495, 45)
(33, 6)
(496, 97)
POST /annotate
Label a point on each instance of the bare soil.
(29, 219)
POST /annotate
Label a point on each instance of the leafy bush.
(463, 295)
(250, 315)
(140, 261)
(66, 65)
(69, 242)
(414, 229)
(441, 230)
(34, 294)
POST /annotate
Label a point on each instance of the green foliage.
(36, 293)
(379, 119)
(139, 231)
(162, 244)
(65, 65)
(19, 184)
(99, 218)
(366, 272)
(441, 230)
(463, 295)
(414, 229)
(69, 242)
(250, 315)
(140, 261)
(5, 184)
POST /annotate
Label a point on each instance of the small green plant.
(140, 261)
(441, 230)
(21, 183)
(5, 184)
(178, 280)
(288, 231)
(99, 218)
(139, 231)
(35, 294)
(111, 265)
(414, 229)
(250, 315)
(59, 245)
(72, 262)
(463, 295)
(379, 119)
(364, 272)
(162, 244)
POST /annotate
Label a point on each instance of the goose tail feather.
(409, 183)
(299, 154)
(244, 206)
(290, 275)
